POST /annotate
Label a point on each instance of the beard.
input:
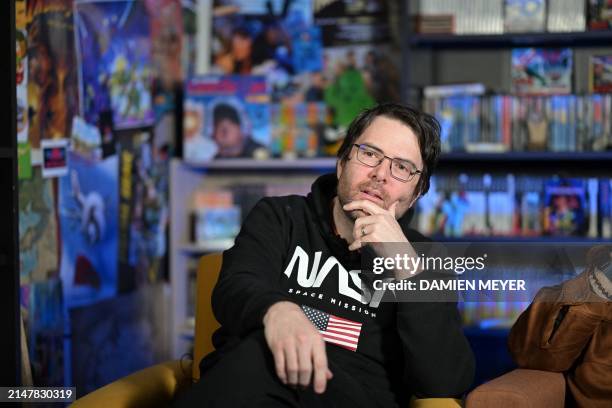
(346, 195)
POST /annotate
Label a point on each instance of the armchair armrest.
(154, 386)
(435, 403)
(520, 388)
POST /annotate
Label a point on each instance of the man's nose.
(381, 171)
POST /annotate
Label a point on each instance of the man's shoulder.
(286, 203)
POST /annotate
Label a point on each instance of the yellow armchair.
(157, 386)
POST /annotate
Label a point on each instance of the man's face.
(229, 137)
(356, 181)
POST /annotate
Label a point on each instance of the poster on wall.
(38, 259)
(143, 211)
(44, 324)
(166, 21)
(256, 37)
(226, 116)
(298, 130)
(115, 337)
(21, 80)
(51, 72)
(114, 52)
(88, 208)
(356, 77)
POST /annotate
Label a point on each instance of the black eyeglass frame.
(391, 160)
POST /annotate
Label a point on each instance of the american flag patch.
(336, 330)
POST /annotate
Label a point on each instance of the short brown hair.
(424, 125)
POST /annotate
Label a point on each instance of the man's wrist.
(276, 308)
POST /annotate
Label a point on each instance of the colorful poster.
(143, 211)
(38, 250)
(166, 19)
(44, 325)
(21, 54)
(116, 337)
(88, 208)
(298, 130)
(355, 77)
(115, 62)
(542, 71)
(352, 22)
(52, 77)
(226, 116)
(256, 38)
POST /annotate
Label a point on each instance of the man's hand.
(298, 348)
(379, 226)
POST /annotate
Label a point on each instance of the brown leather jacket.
(568, 329)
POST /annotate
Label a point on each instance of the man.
(568, 329)
(228, 134)
(300, 327)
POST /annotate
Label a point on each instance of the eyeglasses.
(402, 170)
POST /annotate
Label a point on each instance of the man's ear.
(339, 168)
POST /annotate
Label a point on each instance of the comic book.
(524, 15)
(529, 205)
(600, 14)
(226, 116)
(565, 207)
(600, 73)
(538, 71)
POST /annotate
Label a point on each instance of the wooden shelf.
(573, 39)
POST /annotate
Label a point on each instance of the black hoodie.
(287, 250)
